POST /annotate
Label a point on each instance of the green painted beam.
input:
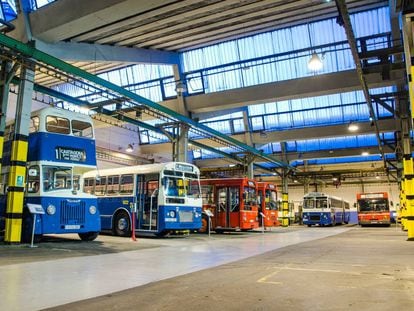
(76, 101)
(31, 52)
(227, 155)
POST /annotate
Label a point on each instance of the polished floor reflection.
(37, 285)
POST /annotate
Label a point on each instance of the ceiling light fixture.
(365, 153)
(352, 127)
(315, 62)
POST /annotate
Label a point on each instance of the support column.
(4, 95)
(181, 144)
(408, 211)
(409, 195)
(403, 204)
(18, 158)
(285, 200)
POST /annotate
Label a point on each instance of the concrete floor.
(296, 268)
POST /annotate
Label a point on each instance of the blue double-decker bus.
(166, 198)
(324, 210)
(61, 149)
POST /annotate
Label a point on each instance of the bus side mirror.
(392, 203)
(355, 205)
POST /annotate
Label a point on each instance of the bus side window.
(126, 184)
(100, 186)
(113, 185)
(88, 185)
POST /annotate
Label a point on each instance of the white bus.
(166, 197)
(324, 210)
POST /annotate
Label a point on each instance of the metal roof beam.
(82, 16)
(325, 84)
(85, 52)
(28, 51)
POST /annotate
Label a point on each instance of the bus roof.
(145, 169)
(321, 194)
(61, 113)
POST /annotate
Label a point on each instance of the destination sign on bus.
(372, 195)
(70, 154)
(183, 167)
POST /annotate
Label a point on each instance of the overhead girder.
(87, 52)
(262, 138)
(173, 25)
(123, 118)
(82, 16)
(345, 21)
(116, 91)
(326, 84)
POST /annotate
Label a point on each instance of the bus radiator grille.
(315, 217)
(72, 213)
(185, 216)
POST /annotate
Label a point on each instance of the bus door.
(228, 210)
(148, 212)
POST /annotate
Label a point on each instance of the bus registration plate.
(71, 227)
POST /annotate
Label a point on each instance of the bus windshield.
(270, 199)
(315, 203)
(373, 205)
(249, 196)
(58, 178)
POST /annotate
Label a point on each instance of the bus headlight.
(92, 209)
(51, 209)
(171, 214)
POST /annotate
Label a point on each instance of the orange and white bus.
(267, 200)
(232, 204)
(373, 209)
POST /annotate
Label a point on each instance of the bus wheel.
(88, 236)
(204, 224)
(121, 224)
(309, 225)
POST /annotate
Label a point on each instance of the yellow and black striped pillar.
(285, 210)
(15, 193)
(409, 195)
(18, 158)
(403, 204)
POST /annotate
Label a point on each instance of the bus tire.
(204, 224)
(88, 236)
(122, 226)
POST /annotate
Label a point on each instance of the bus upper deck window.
(56, 124)
(82, 129)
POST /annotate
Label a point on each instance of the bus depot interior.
(261, 145)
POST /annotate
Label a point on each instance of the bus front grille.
(315, 217)
(185, 216)
(72, 213)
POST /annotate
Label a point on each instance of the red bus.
(373, 209)
(232, 202)
(267, 200)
